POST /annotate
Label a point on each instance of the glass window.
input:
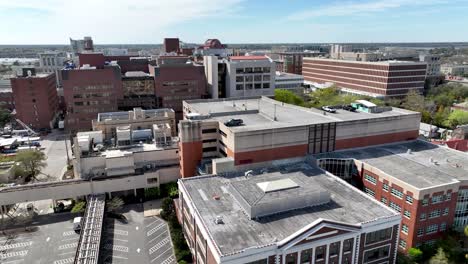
(319, 253)
(376, 253)
(425, 202)
(377, 236)
(407, 213)
(395, 207)
(409, 199)
(443, 226)
(446, 211)
(248, 86)
(258, 78)
(397, 193)
(370, 179)
(334, 248)
(248, 70)
(449, 196)
(383, 200)
(402, 243)
(434, 214)
(420, 231)
(437, 199)
(291, 258)
(385, 187)
(266, 78)
(347, 245)
(239, 87)
(306, 256)
(257, 69)
(422, 216)
(239, 78)
(266, 85)
(431, 229)
(404, 228)
(369, 191)
(240, 70)
(248, 78)
(258, 86)
(266, 69)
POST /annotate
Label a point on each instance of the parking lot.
(50, 240)
(55, 150)
(136, 240)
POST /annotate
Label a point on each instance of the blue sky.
(233, 21)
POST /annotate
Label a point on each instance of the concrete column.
(327, 253)
(135, 192)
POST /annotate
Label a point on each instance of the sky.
(233, 21)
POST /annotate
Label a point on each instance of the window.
(385, 187)
(248, 86)
(239, 87)
(248, 78)
(446, 211)
(266, 85)
(334, 248)
(258, 86)
(222, 133)
(425, 202)
(258, 78)
(370, 179)
(395, 207)
(407, 214)
(257, 69)
(239, 78)
(405, 229)
(409, 199)
(431, 229)
(240, 70)
(448, 197)
(420, 232)
(369, 191)
(266, 78)
(347, 245)
(291, 258)
(377, 253)
(434, 214)
(397, 193)
(266, 69)
(402, 243)
(443, 226)
(422, 217)
(319, 253)
(210, 140)
(437, 199)
(211, 130)
(210, 149)
(152, 180)
(383, 200)
(306, 256)
(378, 236)
(248, 70)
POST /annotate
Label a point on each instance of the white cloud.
(359, 8)
(108, 21)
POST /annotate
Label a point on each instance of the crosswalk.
(64, 261)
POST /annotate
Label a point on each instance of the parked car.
(77, 224)
(328, 109)
(349, 108)
(234, 122)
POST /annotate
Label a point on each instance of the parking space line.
(119, 232)
(116, 248)
(165, 231)
(161, 254)
(120, 225)
(154, 229)
(159, 245)
(168, 260)
(67, 246)
(118, 239)
(13, 261)
(68, 233)
(66, 253)
(17, 245)
(21, 253)
(69, 239)
(155, 221)
(64, 261)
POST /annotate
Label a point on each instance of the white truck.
(77, 223)
(61, 125)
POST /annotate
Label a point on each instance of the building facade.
(138, 91)
(52, 62)
(268, 217)
(36, 99)
(426, 184)
(171, 45)
(82, 45)
(291, 61)
(456, 70)
(6, 95)
(288, 81)
(272, 130)
(89, 91)
(375, 79)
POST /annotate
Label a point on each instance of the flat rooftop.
(387, 62)
(258, 113)
(124, 115)
(413, 167)
(346, 204)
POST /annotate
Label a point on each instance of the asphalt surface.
(50, 241)
(55, 150)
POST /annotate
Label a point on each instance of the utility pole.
(66, 149)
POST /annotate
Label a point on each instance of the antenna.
(274, 114)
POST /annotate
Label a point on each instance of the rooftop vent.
(219, 220)
(278, 185)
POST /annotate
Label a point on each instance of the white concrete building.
(52, 62)
(433, 64)
(454, 69)
(115, 52)
(240, 76)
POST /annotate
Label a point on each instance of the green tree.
(457, 117)
(31, 161)
(439, 258)
(167, 208)
(414, 101)
(288, 97)
(465, 230)
(415, 254)
(114, 204)
(79, 207)
(5, 117)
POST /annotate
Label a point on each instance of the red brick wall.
(375, 140)
(36, 100)
(190, 156)
(268, 154)
(92, 59)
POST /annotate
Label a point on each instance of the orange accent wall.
(375, 140)
(268, 154)
(190, 156)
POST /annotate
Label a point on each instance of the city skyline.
(145, 22)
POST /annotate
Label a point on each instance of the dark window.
(222, 153)
(206, 131)
(222, 143)
(262, 261)
(222, 133)
(152, 180)
(209, 140)
(291, 259)
(210, 149)
(347, 245)
(319, 253)
(377, 253)
(334, 248)
(306, 256)
(378, 236)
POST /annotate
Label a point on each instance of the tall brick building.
(89, 91)
(36, 99)
(376, 79)
(171, 45)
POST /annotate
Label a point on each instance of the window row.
(250, 86)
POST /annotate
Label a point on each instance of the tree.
(31, 161)
(115, 204)
(79, 207)
(167, 208)
(5, 117)
(288, 97)
(414, 101)
(465, 230)
(457, 117)
(439, 258)
(415, 254)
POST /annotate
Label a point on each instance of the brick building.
(291, 214)
(36, 99)
(89, 91)
(291, 61)
(273, 130)
(376, 79)
(171, 45)
(6, 95)
(138, 91)
(176, 82)
(425, 183)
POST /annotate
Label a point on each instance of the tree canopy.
(32, 162)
